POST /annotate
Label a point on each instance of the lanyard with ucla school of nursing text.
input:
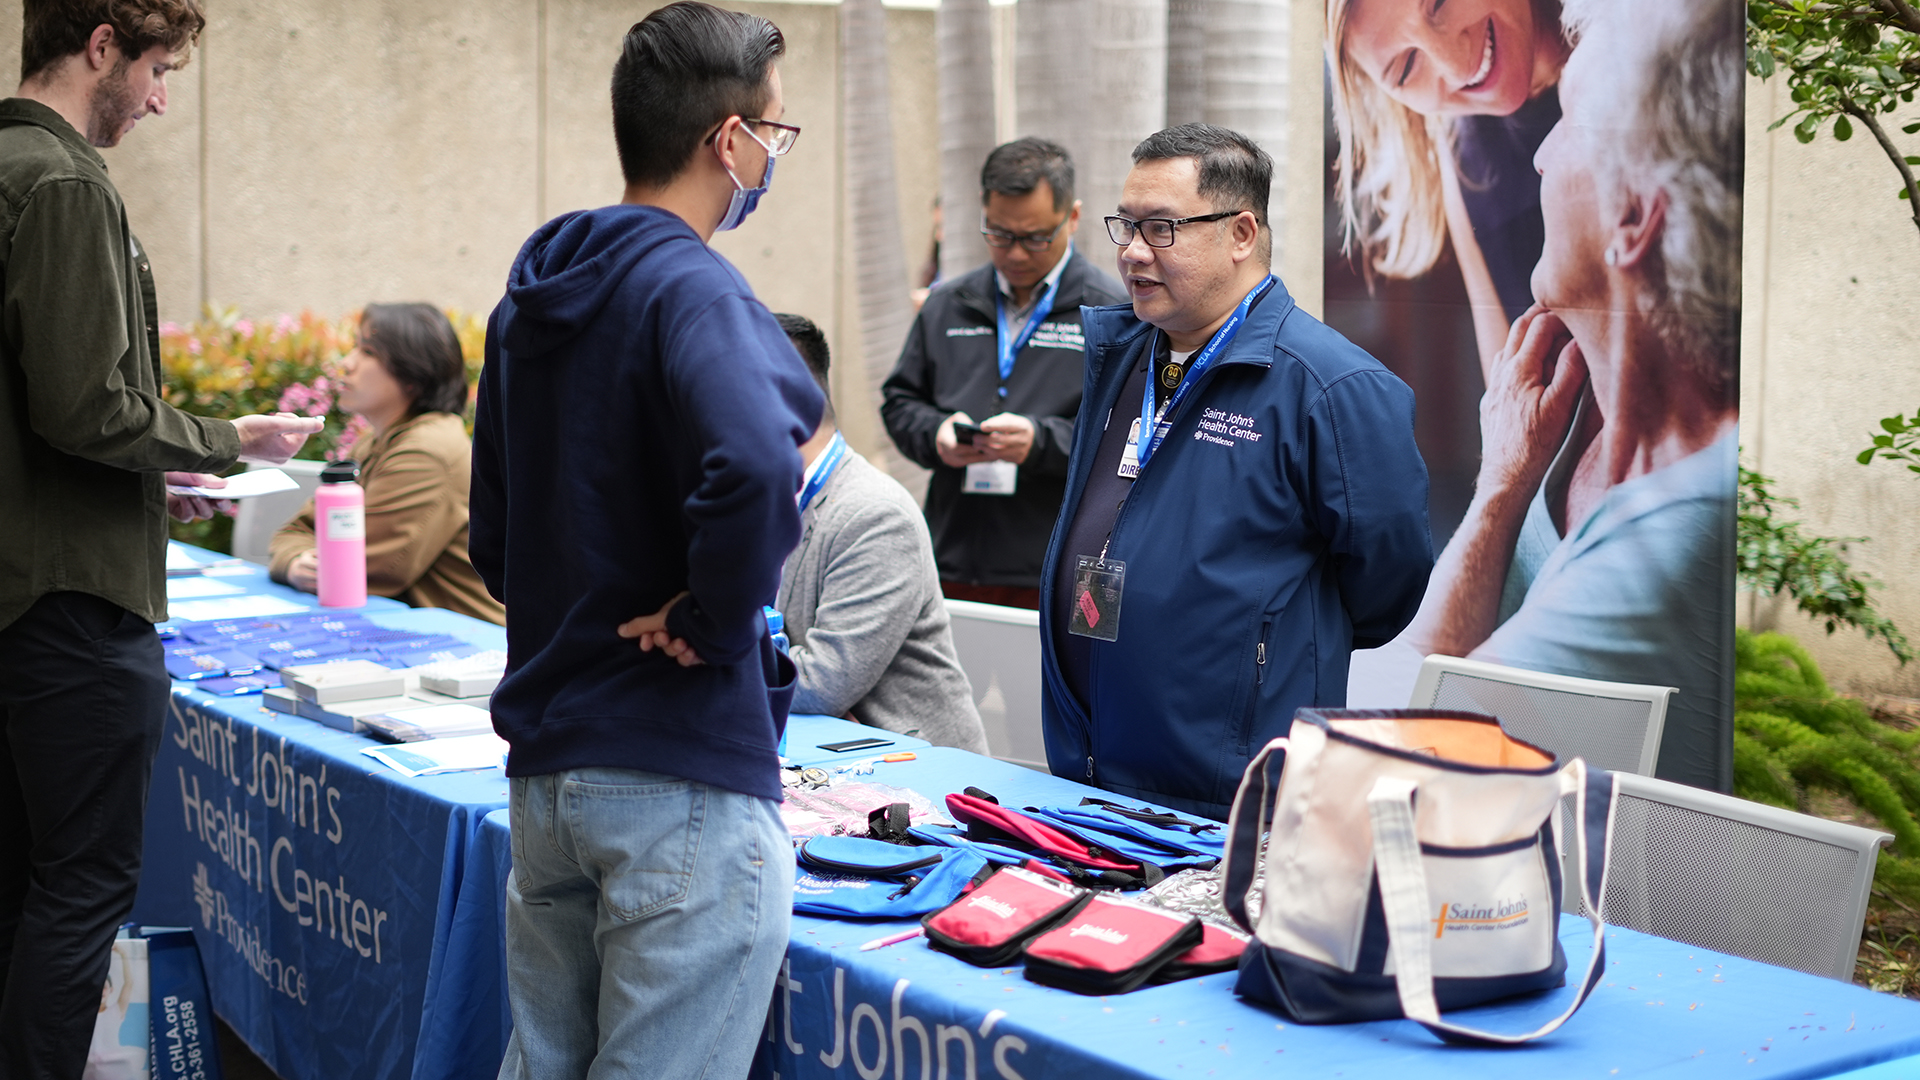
(829, 460)
(1010, 345)
(1154, 427)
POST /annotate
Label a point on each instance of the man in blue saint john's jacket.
(636, 453)
(1245, 504)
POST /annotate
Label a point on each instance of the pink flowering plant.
(228, 366)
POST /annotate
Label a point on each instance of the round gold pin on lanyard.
(1171, 374)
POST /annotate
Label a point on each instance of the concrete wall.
(322, 153)
(1830, 343)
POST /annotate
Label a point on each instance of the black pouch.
(1110, 946)
(1219, 950)
(987, 927)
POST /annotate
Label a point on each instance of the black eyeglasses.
(1034, 241)
(1156, 231)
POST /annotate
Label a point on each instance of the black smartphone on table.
(854, 744)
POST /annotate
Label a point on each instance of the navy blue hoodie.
(637, 435)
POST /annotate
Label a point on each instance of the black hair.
(683, 70)
(1016, 168)
(1235, 174)
(811, 344)
(417, 346)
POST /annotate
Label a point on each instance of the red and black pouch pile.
(1110, 946)
(988, 926)
(1086, 863)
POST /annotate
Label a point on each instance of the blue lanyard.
(1154, 430)
(1010, 346)
(829, 460)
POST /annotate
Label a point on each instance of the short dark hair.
(1016, 168)
(1235, 174)
(811, 344)
(683, 70)
(53, 30)
(417, 345)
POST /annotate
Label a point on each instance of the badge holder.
(1097, 585)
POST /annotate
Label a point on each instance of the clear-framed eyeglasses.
(1157, 231)
(1033, 241)
(779, 139)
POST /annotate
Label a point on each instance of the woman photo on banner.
(1438, 109)
(1599, 541)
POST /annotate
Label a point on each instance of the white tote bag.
(1411, 866)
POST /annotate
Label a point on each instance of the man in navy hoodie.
(636, 453)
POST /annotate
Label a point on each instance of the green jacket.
(84, 432)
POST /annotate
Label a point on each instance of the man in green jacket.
(86, 445)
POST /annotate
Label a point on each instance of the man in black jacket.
(1003, 343)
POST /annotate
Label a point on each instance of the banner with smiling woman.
(1535, 221)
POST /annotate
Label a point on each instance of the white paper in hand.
(246, 485)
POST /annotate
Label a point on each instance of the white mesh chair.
(1615, 726)
(1738, 877)
(999, 649)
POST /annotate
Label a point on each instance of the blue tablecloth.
(316, 879)
(355, 929)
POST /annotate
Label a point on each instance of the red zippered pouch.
(987, 926)
(1110, 946)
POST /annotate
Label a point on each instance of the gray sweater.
(864, 612)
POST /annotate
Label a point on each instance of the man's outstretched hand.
(652, 632)
(273, 439)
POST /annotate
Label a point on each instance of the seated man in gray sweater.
(861, 595)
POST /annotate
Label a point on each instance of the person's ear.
(1073, 218)
(723, 142)
(1637, 228)
(1245, 230)
(100, 47)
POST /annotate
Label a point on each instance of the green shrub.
(1792, 734)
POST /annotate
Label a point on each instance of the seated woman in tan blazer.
(408, 379)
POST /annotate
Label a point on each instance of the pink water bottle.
(340, 520)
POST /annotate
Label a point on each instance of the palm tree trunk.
(1053, 81)
(1186, 61)
(963, 35)
(1247, 43)
(1128, 98)
(880, 268)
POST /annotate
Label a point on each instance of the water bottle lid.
(340, 472)
(776, 622)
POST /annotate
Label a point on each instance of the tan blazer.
(416, 477)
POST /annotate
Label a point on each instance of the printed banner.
(1533, 218)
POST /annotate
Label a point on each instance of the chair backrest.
(259, 518)
(1738, 877)
(1615, 726)
(999, 649)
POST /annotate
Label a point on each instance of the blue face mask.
(745, 199)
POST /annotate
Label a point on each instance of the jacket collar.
(1117, 328)
(18, 110)
(976, 289)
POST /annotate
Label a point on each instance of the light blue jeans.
(646, 919)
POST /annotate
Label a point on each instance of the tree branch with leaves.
(1845, 62)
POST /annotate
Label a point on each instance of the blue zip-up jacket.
(1281, 524)
(637, 434)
